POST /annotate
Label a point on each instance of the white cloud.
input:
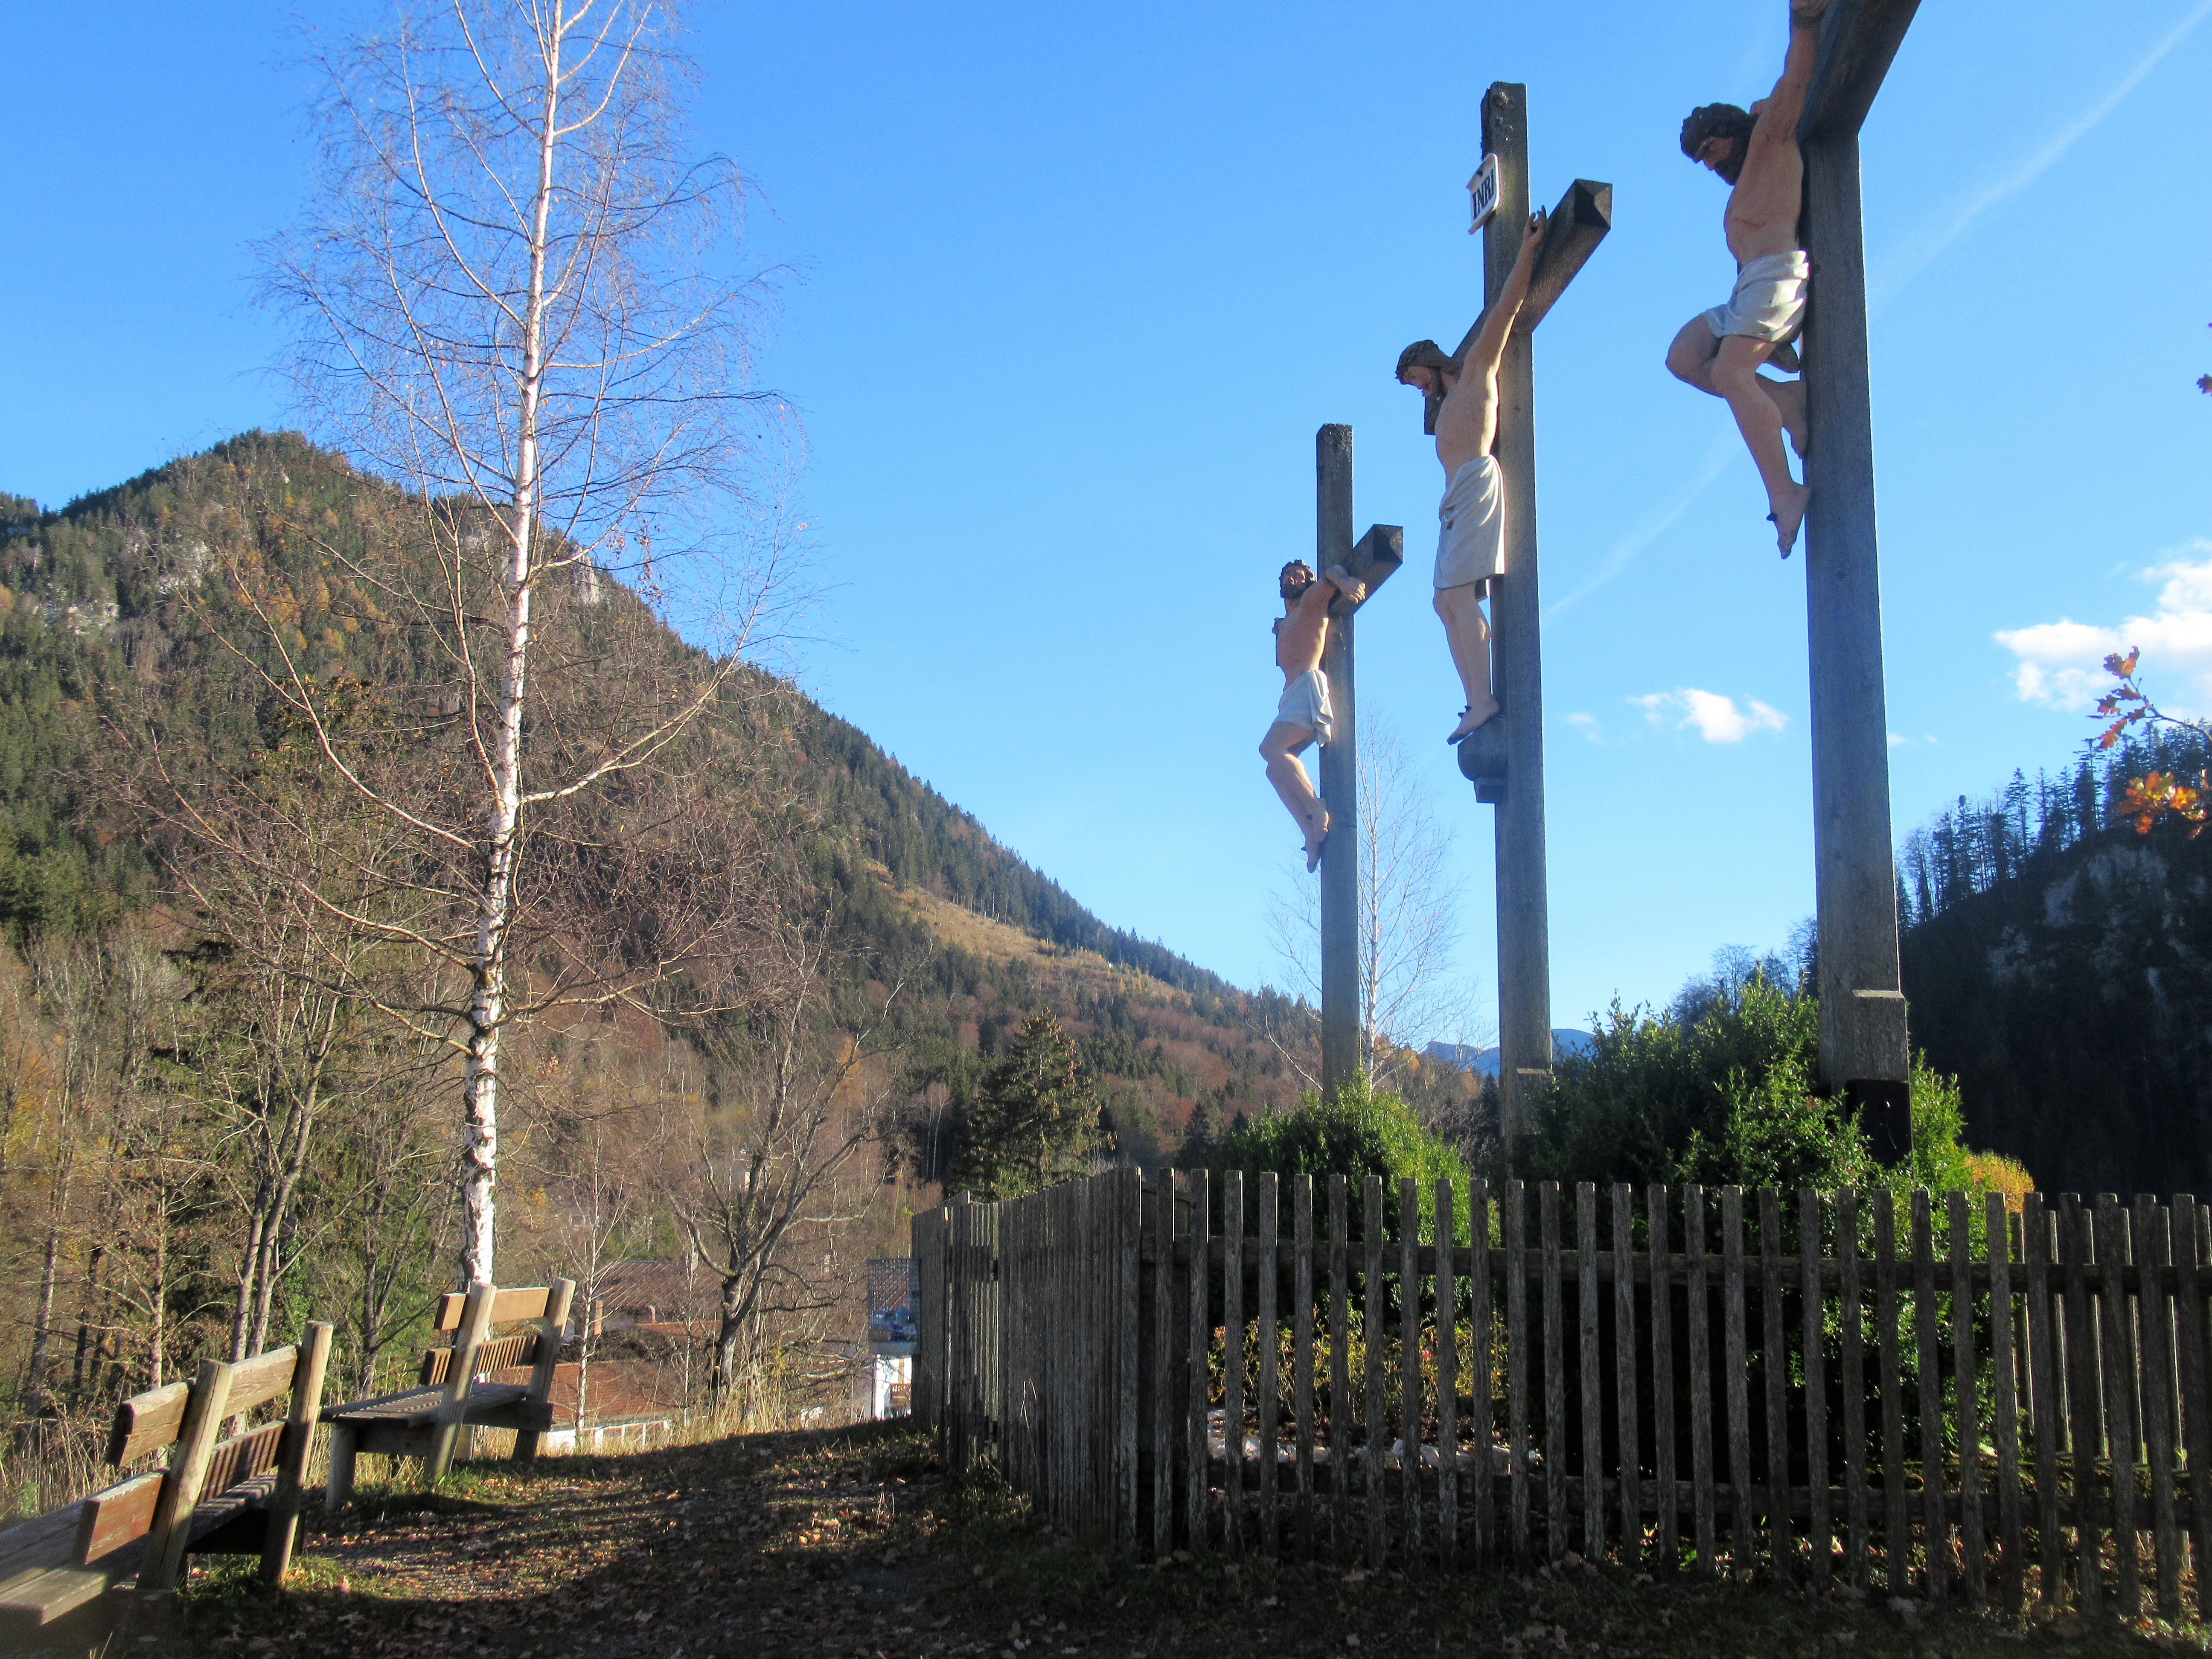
(1898, 740)
(1588, 726)
(1717, 718)
(2062, 663)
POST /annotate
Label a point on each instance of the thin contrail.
(1920, 251)
(1724, 448)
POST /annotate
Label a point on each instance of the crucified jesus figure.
(1471, 545)
(1719, 351)
(1304, 717)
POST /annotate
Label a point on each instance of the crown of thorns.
(1713, 121)
(1299, 568)
(1422, 354)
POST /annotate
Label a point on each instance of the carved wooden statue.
(1721, 351)
(1471, 543)
(1304, 716)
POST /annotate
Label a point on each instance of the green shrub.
(1355, 1131)
(1721, 1091)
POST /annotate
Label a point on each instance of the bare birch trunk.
(487, 1006)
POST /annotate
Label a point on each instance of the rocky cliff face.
(2074, 1002)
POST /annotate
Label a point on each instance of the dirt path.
(851, 1544)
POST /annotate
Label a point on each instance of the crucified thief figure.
(1720, 350)
(1471, 544)
(1304, 716)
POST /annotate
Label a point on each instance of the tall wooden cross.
(1372, 560)
(1864, 1055)
(1504, 759)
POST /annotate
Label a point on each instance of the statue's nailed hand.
(1536, 227)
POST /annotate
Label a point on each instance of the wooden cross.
(1504, 759)
(1377, 554)
(1864, 1054)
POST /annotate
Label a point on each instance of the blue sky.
(1072, 287)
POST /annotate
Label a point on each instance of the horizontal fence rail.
(1929, 1395)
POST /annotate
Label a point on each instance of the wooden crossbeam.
(1858, 40)
(1375, 559)
(1576, 226)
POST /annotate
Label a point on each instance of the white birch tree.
(517, 293)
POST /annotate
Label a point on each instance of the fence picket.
(1741, 1548)
(1339, 1376)
(2085, 1414)
(1232, 1364)
(1853, 1357)
(1590, 1396)
(1927, 1330)
(1269, 1382)
(1163, 1422)
(1482, 1434)
(1669, 1540)
(1302, 1358)
(2119, 1400)
(1371, 1331)
(1409, 1358)
(1447, 1236)
(1774, 1355)
(1996, 1244)
(1817, 1531)
(1896, 1528)
(1200, 1478)
(1699, 1311)
(1624, 1338)
(1555, 1373)
(1514, 1224)
(2153, 1254)
(1965, 1370)
(2196, 1405)
(2044, 1402)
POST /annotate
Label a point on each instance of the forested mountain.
(2061, 965)
(106, 597)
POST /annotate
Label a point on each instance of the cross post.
(1865, 1053)
(1377, 554)
(1505, 759)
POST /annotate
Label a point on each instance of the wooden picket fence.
(1931, 1396)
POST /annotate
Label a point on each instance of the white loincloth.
(1305, 703)
(1471, 544)
(1769, 301)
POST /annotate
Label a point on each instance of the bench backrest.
(158, 1504)
(471, 1315)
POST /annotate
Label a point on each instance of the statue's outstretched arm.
(1482, 357)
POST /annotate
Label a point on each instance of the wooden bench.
(426, 1420)
(217, 1497)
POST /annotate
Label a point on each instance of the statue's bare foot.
(1472, 718)
(1789, 397)
(1789, 516)
(1316, 838)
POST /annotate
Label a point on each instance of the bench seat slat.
(234, 1522)
(416, 1409)
(31, 1600)
(46, 1540)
